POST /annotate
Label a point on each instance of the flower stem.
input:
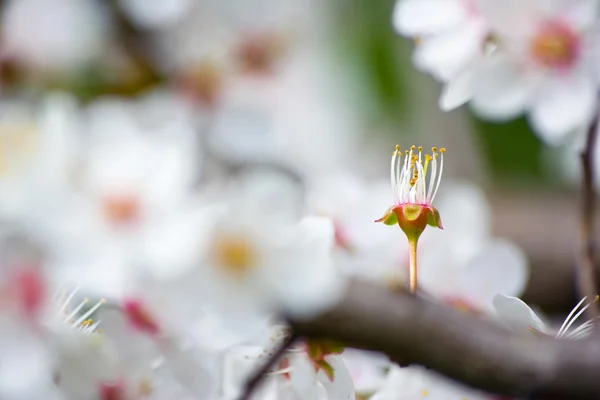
(413, 265)
(586, 279)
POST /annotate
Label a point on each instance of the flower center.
(234, 254)
(17, 143)
(555, 45)
(121, 209)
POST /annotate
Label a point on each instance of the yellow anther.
(397, 147)
(434, 149)
(420, 148)
(443, 150)
(413, 147)
(406, 152)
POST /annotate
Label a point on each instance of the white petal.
(303, 378)
(425, 17)
(564, 105)
(580, 14)
(517, 314)
(306, 277)
(457, 91)
(445, 56)
(500, 267)
(516, 19)
(503, 90)
(342, 387)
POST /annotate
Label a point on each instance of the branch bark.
(475, 351)
(586, 277)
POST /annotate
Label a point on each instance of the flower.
(465, 265)
(39, 34)
(545, 64)
(416, 382)
(451, 37)
(521, 318)
(361, 247)
(307, 371)
(414, 192)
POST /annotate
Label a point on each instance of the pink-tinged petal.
(499, 267)
(514, 19)
(580, 14)
(563, 106)
(342, 386)
(504, 90)
(518, 315)
(426, 17)
(303, 378)
(458, 91)
(446, 56)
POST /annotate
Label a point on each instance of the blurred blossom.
(511, 57)
(451, 38)
(132, 173)
(54, 36)
(416, 382)
(296, 376)
(517, 315)
(362, 248)
(466, 266)
(544, 64)
(158, 14)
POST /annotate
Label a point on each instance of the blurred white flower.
(451, 38)
(416, 382)
(297, 375)
(137, 163)
(158, 14)
(362, 248)
(40, 33)
(521, 318)
(466, 266)
(545, 64)
(37, 156)
(367, 369)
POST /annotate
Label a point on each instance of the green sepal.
(327, 368)
(390, 217)
(434, 219)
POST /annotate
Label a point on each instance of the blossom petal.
(445, 56)
(517, 18)
(425, 17)
(562, 107)
(503, 90)
(500, 267)
(517, 314)
(580, 14)
(308, 282)
(342, 387)
(457, 92)
(303, 378)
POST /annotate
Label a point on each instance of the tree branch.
(466, 348)
(586, 277)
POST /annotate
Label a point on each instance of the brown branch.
(258, 375)
(586, 277)
(466, 348)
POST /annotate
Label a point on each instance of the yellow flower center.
(18, 141)
(235, 254)
(121, 209)
(555, 45)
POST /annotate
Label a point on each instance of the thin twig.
(586, 277)
(260, 373)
